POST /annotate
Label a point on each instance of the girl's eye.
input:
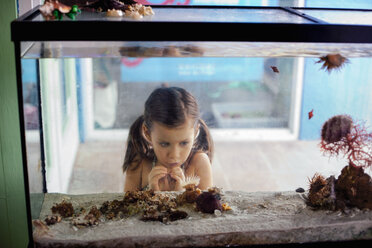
(184, 143)
(164, 144)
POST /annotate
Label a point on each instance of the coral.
(64, 209)
(170, 215)
(95, 212)
(113, 209)
(354, 187)
(341, 135)
(88, 220)
(51, 220)
(189, 195)
(321, 192)
(147, 205)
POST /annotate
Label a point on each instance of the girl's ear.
(146, 134)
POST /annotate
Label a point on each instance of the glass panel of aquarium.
(31, 107)
(256, 104)
(360, 17)
(240, 15)
(290, 124)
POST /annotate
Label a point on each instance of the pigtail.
(137, 146)
(204, 140)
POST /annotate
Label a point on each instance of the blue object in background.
(193, 70)
(80, 88)
(346, 91)
(28, 71)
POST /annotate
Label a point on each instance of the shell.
(61, 7)
(114, 13)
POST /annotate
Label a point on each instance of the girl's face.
(172, 146)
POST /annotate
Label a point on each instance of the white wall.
(26, 5)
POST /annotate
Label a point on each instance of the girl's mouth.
(172, 164)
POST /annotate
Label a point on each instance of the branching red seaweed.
(340, 135)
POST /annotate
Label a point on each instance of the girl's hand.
(177, 175)
(157, 173)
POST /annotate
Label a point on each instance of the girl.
(168, 144)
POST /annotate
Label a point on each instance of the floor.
(246, 166)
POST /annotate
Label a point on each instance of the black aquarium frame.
(24, 29)
(106, 30)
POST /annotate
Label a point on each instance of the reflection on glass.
(32, 133)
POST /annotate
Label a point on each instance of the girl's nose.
(173, 153)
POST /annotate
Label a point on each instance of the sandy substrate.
(255, 218)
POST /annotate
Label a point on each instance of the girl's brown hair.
(169, 106)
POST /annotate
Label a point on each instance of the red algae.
(353, 188)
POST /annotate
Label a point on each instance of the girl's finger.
(179, 179)
(178, 174)
(154, 181)
(158, 170)
(178, 182)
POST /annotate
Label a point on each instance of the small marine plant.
(340, 135)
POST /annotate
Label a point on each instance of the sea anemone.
(191, 192)
(195, 180)
(319, 191)
(332, 61)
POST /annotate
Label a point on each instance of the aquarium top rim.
(101, 30)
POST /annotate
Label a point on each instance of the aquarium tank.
(284, 88)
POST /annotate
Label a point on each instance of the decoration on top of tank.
(115, 8)
(332, 62)
(135, 11)
(54, 10)
(138, 11)
(353, 188)
(99, 5)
